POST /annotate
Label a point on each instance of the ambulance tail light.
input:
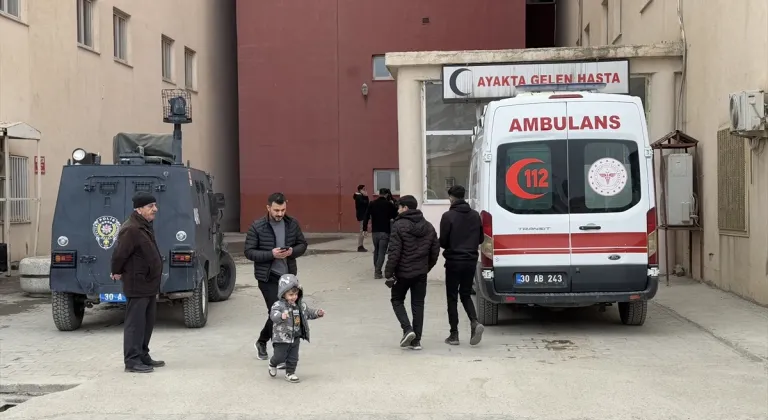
(486, 248)
(182, 258)
(653, 238)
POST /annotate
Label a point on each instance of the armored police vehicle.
(94, 200)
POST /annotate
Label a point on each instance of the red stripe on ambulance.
(595, 122)
(577, 243)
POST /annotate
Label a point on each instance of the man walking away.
(361, 206)
(461, 233)
(380, 212)
(136, 262)
(413, 251)
(273, 243)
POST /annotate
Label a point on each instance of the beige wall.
(727, 52)
(79, 97)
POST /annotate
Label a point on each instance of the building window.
(19, 182)
(10, 7)
(380, 71)
(614, 9)
(190, 69)
(638, 86)
(447, 142)
(386, 178)
(120, 37)
(167, 57)
(84, 23)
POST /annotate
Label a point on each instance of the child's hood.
(288, 282)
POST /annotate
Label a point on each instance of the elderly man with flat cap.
(137, 263)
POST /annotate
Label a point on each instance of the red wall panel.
(305, 127)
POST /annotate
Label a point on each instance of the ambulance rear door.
(529, 198)
(609, 196)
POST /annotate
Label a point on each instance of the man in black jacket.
(461, 233)
(273, 243)
(137, 263)
(361, 206)
(380, 212)
(413, 251)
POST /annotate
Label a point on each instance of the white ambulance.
(562, 177)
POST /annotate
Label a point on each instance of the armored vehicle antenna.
(177, 110)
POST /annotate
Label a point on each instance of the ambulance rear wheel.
(220, 288)
(196, 306)
(68, 310)
(633, 313)
(487, 312)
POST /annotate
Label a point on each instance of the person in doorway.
(413, 251)
(461, 233)
(136, 261)
(361, 205)
(273, 243)
(380, 212)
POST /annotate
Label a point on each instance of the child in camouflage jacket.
(290, 317)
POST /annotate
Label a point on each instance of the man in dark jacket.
(380, 212)
(137, 263)
(461, 233)
(273, 243)
(413, 251)
(361, 206)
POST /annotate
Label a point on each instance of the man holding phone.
(273, 243)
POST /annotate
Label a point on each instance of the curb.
(35, 389)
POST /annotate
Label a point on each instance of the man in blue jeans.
(380, 212)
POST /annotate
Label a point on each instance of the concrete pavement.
(702, 354)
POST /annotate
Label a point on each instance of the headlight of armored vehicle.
(78, 155)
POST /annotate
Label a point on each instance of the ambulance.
(562, 176)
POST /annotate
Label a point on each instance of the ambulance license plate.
(112, 297)
(541, 280)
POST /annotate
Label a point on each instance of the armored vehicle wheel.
(68, 310)
(196, 307)
(633, 313)
(220, 288)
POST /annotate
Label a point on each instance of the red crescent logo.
(513, 174)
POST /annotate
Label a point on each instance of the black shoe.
(262, 349)
(378, 276)
(453, 339)
(477, 333)
(153, 363)
(361, 249)
(415, 344)
(140, 368)
(408, 336)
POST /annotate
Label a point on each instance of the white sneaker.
(281, 366)
(291, 378)
(272, 371)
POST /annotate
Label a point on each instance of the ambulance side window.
(531, 177)
(604, 175)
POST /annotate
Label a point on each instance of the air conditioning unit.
(681, 203)
(747, 110)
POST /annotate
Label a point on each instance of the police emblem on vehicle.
(105, 229)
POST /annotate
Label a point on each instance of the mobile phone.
(285, 248)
